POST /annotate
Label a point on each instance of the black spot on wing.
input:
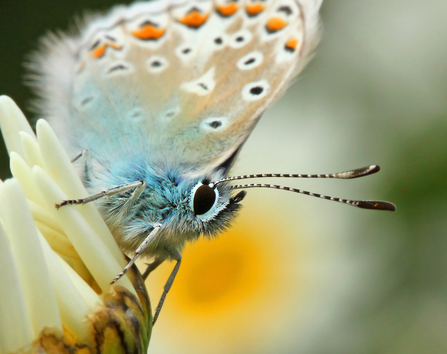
(215, 124)
(257, 90)
(117, 67)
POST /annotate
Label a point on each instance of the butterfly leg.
(138, 185)
(87, 164)
(82, 153)
(139, 250)
(152, 266)
(175, 254)
(135, 195)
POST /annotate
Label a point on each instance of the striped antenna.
(364, 204)
(359, 172)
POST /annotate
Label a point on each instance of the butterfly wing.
(180, 81)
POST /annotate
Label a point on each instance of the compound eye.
(204, 199)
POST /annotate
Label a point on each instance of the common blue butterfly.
(156, 100)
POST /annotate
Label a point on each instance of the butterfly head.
(204, 207)
(185, 205)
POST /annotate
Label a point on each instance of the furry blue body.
(166, 199)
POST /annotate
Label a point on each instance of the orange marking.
(113, 45)
(227, 10)
(81, 67)
(254, 9)
(101, 50)
(275, 24)
(291, 44)
(148, 32)
(194, 19)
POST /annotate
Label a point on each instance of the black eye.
(204, 199)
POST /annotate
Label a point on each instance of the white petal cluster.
(54, 264)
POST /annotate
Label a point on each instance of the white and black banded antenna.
(360, 172)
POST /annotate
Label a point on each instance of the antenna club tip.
(376, 205)
(360, 172)
(238, 197)
(375, 168)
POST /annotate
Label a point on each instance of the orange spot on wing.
(227, 10)
(81, 67)
(114, 45)
(291, 44)
(254, 9)
(149, 32)
(275, 24)
(99, 51)
(194, 19)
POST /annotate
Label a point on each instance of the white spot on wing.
(180, 11)
(118, 68)
(215, 124)
(255, 90)
(203, 85)
(185, 52)
(219, 41)
(240, 38)
(288, 8)
(86, 102)
(156, 64)
(171, 113)
(159, 20)
(135, 115)
(250, 61)
(282, 53)
(112, 36)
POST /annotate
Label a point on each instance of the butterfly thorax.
(166, 198)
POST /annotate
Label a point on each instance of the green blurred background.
(376, 92)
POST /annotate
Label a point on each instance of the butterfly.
(156, 100)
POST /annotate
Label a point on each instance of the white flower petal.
(15, 323)
(31, 149)
(45, 217)
(61, 170)
(45, 282)
(22, 172)
(84, 239)
(29, 259)
(12, 122)
(75, 302)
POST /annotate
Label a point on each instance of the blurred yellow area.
(229, 289)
